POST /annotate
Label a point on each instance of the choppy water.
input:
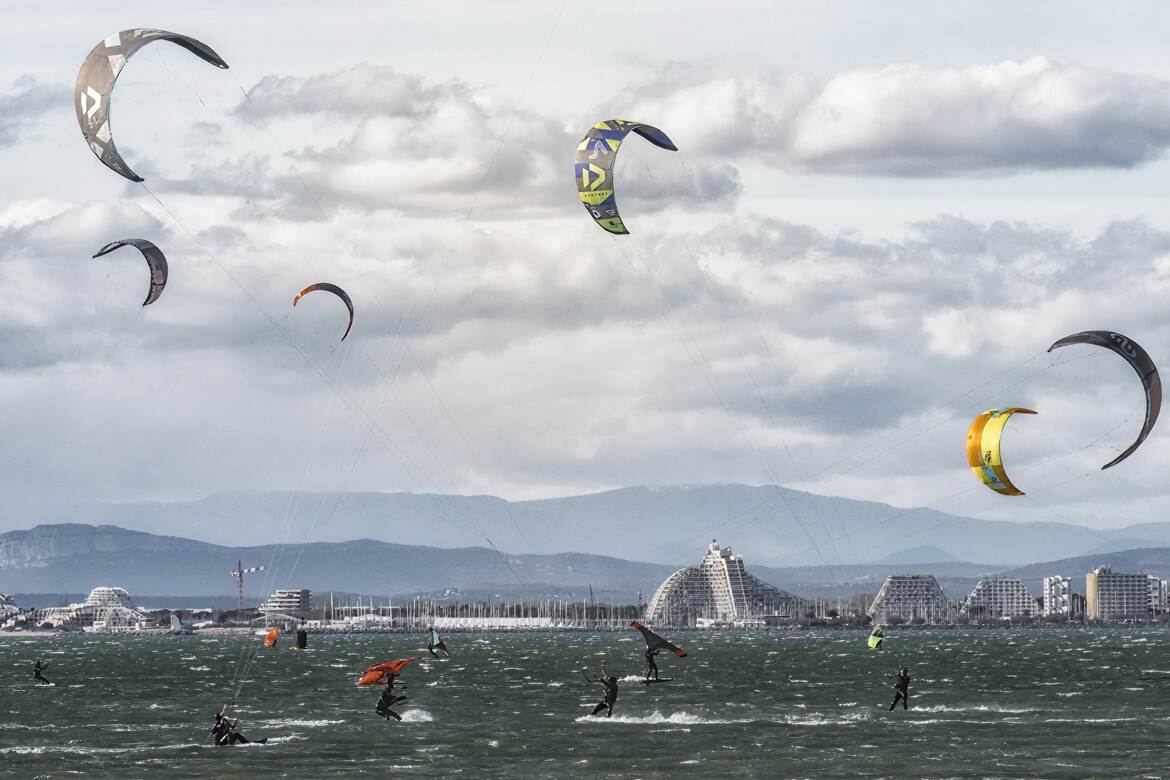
(1060, 704)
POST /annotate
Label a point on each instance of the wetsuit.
(38, 667)
(901, 691)
(388, 700)
(225, 734)
(611, 693)
(653, 666)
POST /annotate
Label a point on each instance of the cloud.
(361, 90)
(383, 140)
(27, 102)
(543, 360)
(913, 120)
(545, 356)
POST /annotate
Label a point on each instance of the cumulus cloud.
(27, 101)
(568, 363)
(546, 357)
(914, 120)
(361, 90)
(384, 140)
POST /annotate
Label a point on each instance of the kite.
(437, 643)
(271, 637)
(655, 642)
(95, 82)
(983, 455)
(1140, 361)
(376, 675)
(340, 293)
(593, 167)
(876, 638)
(155, 261)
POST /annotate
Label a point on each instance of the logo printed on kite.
(1124, 343)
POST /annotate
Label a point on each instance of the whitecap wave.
(826, 720)
(290, 722)
(682, 717)
(974, 708)
(417, 716)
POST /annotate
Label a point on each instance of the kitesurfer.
(220, 729)
(388, 699)
(436, 643)
(653, 667)
(226, 732)
(901, 689)
(38, 667)
(611, 694)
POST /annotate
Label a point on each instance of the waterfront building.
(1158, 594)
(105, 609)
(908, 597)
(719, 591)
(293, 604)
(1113, 595)
(999, 597)
(1057, 595)
(7, 606)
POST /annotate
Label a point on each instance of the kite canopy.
(1140, 361)
(655, 642)
(95, 82)
(983, 451)
(376, 675)
(340, 293)
(593, 167)
(155, 261)
(271, 637)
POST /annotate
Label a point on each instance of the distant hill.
(73, 558)
(926, 553)
(775, 525)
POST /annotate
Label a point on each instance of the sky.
(876, 222)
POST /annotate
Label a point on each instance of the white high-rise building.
(1115, 595)
(910, 596)
(1057, 595)
(717, 591)
(296, 603)
(997, 597)
(1158, 594)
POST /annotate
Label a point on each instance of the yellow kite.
(983, 455)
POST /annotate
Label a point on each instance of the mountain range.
(73, 558)
(664, 525)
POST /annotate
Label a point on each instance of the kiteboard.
(660, 679)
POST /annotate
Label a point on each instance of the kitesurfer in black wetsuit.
(225, 732)
(611, 693)
(653, 667)
(38, 667)
(901, 690)
(389, 699)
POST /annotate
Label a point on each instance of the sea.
(1003, 703)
